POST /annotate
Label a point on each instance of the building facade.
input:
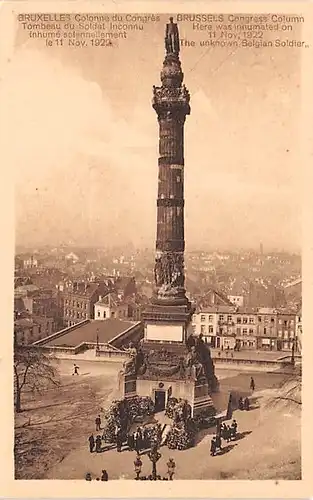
(111, 307)
(286, 330)
(77, 301)
(225, 327)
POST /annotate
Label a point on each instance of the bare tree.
(33, 371)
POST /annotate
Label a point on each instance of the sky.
(82, 140)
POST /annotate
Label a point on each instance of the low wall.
(85, 348)
(249, 364)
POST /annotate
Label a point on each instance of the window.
(202, 318)
(104, 314)
(264, 331)
(211, 317)
(211, 329)
(239, 320)
(292, 334)
(229, 317)
(260, 319)
(272, 320)
(251, 331)
(245, 320)
(238, 331)
(285, 322)
(244, 331)
(221, 317)
(286, 334)
(280, 321)
(291, 321)
(251, 320)
(280, 333)
(112, 314)
(202, 329)
(99, 314)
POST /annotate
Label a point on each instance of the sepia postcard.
(157, 218)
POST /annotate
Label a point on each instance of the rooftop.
(106, 330)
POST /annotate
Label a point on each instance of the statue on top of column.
(172, 38)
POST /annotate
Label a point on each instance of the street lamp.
(293, 351)
(154, 456)
(171, 468)
(138, 465)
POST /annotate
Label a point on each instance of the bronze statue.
(172, 38)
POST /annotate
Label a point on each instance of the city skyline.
(80, 176)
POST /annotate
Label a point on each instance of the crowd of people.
(223, 432)
(143, 438)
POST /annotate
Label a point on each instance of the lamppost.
(154, 456)
(138, 465)
(171, 468)
(293, 351)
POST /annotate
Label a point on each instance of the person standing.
(138, 442)
(252, 384)
(246, 404)
(98, 444)
(218, 441)
(233, 430)
(240, 403)
(171, 468)
(91, 440)
(76, 368)
(213, 447)
(98, 423)
(119, 440)
(227, 434)
(130, 441)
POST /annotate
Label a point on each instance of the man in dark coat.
(240, 403)
(138, 440)
(130, 441)
(213, 446)
(234, 429)
(218, 441)
(98, 444)
(227, 434)
(98, 423)
(252, 384)
(91, 440)
(119, 440)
